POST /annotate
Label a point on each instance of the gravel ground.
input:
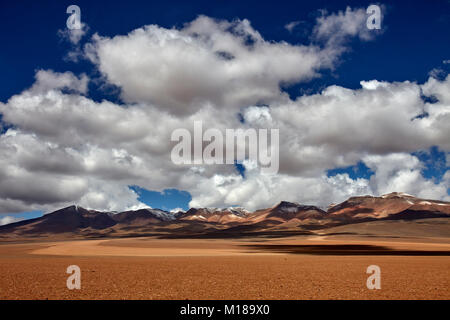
(250, 276)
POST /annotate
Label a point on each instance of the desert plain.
(321, 266)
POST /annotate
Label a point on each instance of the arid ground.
(300, 267)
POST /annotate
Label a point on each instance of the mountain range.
(285, 218)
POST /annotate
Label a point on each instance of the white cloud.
(438, 89)
(48, 80)
(338, 27)
(65, 148)
(291, 25)
(227, 64)
(395, 172)
(402, 172)
(437, 73)
(257, 115)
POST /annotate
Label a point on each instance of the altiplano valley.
(289, 251)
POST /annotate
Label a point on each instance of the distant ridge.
(295, 217)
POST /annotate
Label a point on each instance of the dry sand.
(147, 268)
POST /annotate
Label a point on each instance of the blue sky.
(416, 35)
(415, 40)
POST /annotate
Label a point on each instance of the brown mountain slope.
(215, 215)
(390, 206)
(75, 218)
(283, 217)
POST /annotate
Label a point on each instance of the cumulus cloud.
(74, 36)
(291, 25)
(227, 64)
(399, 171)
(335, 30)
(64, 148)
(338, 127)
(48, 80)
